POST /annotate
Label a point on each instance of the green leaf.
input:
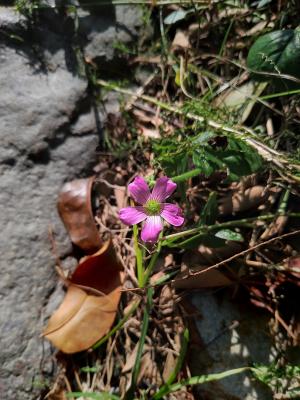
(176, 16)
(254, 160)
(198, 380)
(237, 164)
(228, 234)
(263, 3)
(209, 213)
(203, 137)
(200, 161)
(276, 52)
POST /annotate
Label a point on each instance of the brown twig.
(217, 265)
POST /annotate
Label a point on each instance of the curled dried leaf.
(245, 200)
(90, 305)
(275, 228)
(75, 209)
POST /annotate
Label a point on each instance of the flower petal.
(172, 214)
(132, 215)
(171, 187)
(159, 191)
(152, 228)
(139, 190)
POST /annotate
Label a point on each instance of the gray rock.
(49, 134)
(233, 336)
(38, 154)
(107, 28)
(10, 19)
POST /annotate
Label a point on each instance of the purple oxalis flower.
(151, 207)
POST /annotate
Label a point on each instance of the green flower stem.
(118, 325)
(152, 262)
(139, 257)
(239, 222)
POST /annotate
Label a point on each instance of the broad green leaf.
(276, 52)
(263, 3)
(204, 137)
(200, 161)
(176, 16)
(253, 158)
(210, 210)
(228, 234)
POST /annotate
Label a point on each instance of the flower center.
(152, 207)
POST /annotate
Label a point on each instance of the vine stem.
(207, 228)
(241, 132)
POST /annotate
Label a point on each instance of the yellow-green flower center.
(152, 207)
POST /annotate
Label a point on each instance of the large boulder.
(49, 132)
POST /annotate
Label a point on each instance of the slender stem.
(283, 201)
(139, 257)
(118, 326)
(136, 369)
(238, 222)
(207, 228)
(152, 262)
(271, 96)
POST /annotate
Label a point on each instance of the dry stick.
(284, 324)
(266, 152)
(242, 253)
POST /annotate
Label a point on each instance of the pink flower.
(152, 207)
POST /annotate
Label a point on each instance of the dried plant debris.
(91, 303)
(230, 141)
(75, 209)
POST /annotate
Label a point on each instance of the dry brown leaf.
(275, 228)
(243, 201)
(75, 209)
(149, 133)
(169, 366)
(181, 40)
(149, 370)
(90, 305)
(130, 360)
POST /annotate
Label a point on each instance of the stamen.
(152, 207)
